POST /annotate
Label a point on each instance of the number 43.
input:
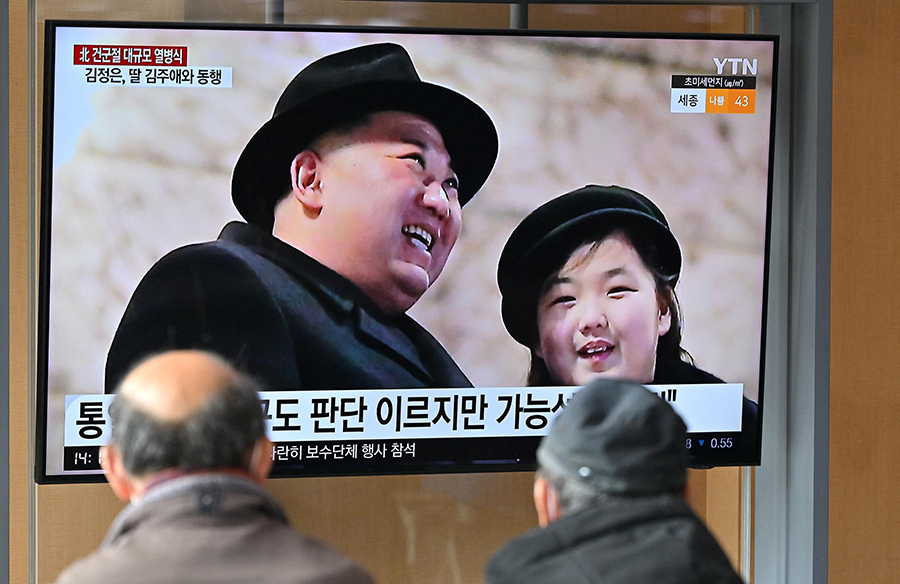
(742, 101)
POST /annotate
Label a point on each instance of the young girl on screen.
(588, 284)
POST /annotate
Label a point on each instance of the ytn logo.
(748, 66)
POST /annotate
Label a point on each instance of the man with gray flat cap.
(609, 494)
(188, 450)
(353, 195)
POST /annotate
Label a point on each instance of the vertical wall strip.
(752, 11)
(518, 16)
(4, 292)
(33, 218)
(746, 523)
(274, 11)
(791, 503)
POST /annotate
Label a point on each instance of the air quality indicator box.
(713, 94)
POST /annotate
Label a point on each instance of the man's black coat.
(277, 314)
(620, 540)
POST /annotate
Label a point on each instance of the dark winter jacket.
(278, 315)
(641, 540)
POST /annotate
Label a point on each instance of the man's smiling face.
(389, 208)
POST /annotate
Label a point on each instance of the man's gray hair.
(572, 495)
(220, 434)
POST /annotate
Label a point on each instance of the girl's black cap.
(542, 242)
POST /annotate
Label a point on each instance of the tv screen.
(148, 153)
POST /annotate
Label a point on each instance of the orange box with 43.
(730, 101)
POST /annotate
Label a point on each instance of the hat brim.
(468, 132)
(522, 283)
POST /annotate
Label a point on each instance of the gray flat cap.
(618, 437)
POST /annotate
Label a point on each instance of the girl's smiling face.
(600, 315)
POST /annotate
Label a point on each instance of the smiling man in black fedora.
(352, 194)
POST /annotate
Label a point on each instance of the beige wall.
(864, 445)
(362, 516)
(20, 393)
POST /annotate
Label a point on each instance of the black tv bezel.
(43, 317)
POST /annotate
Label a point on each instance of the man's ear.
(545, 502)
(306, 184)
(261, 460)
(119, 480)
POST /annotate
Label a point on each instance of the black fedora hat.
(339, 88)
(542, 242)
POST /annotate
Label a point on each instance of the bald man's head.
(171, 386)
(186, 410)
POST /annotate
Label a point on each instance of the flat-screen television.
(144, 125)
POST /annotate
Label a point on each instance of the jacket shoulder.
(282, 554)
(317, 561)
(206, 257)
(96, 567)
(204, 296)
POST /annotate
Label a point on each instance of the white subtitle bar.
(405, 414)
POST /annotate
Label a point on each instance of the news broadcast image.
(142, 160)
